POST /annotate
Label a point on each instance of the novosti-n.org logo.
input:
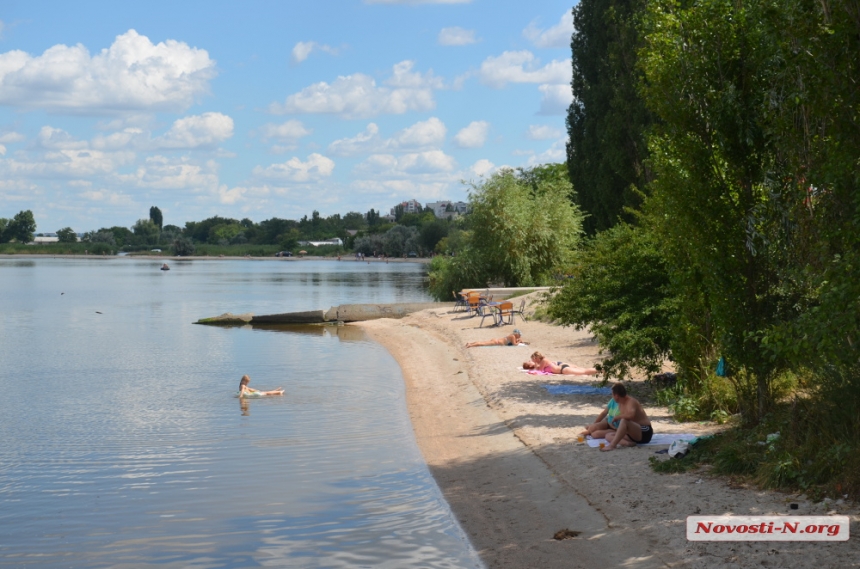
(768, 528)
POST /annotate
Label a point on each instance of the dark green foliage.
(607, 121)
(618, 286)
(67, 235)
(156, 217)
(183, 247)
(146, 233)
(523, 230)
(20, 228)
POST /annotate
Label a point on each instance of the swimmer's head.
(245, 380)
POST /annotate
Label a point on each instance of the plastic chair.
(521, 310)
(459, 302)
(484, 311)
(474, 301)
(506, 310)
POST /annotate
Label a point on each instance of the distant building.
(411, 206)
(333, 241)
(446, 209)
(42, 239)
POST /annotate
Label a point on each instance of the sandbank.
(504, 453)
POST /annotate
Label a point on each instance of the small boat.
(164, 267)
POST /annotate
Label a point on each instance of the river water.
(122, 444)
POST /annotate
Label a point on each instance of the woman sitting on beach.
(512, 339)
(245, 391)
(540, 362)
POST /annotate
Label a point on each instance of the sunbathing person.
(542, 363)
(244, 390)
(626, 422)
(512, 339)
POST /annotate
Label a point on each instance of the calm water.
(121, 444)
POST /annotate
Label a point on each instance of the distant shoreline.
(164, 258)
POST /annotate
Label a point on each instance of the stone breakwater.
(334, 315)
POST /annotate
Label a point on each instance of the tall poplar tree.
(606, 122)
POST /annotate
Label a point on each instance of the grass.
(807, 444)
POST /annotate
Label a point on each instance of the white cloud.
(358, 95)
(315, 167)
(10, 137)
(456, 36)
(473, 136)
(161, 172)
(106, 197)
(417, 1)
(482, 167)
(58, 139)
(416, 163)
(133, 74)
(523, 67)
(556, 99)
(2, 150)
(362, 143)
(557, 36)
(303, 49)
(195, 131)
(290, 131)
(423, 134)
(543, 132)
(556, 153)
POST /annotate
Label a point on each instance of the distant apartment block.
(411, 206)
(445, 209)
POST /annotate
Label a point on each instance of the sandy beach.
(504, 453)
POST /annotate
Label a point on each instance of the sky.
(265, 109)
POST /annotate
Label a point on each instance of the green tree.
(524, 229)
(607, 121)
(67, 235)
(618, 286)
(522, 233)
(708, 67)
(145, 232)
(21, 228)
(101, 236)
(183, 247)
(156, 217)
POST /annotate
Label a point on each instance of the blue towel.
(577, 390)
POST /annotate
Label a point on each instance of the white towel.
(657, 439)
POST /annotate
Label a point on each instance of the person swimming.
(246, 391)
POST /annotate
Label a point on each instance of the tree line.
(368, 233)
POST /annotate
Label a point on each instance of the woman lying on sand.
(510, 340)
(244, 390)
(541, 363)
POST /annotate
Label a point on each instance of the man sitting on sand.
(512, 339)
(622, 423)
(541, 363)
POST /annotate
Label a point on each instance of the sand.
(504, 453)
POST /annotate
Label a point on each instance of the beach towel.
(657, 439)
(537, 372)
(577, 390)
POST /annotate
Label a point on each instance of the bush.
(619, 289)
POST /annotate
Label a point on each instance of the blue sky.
(270, 109)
